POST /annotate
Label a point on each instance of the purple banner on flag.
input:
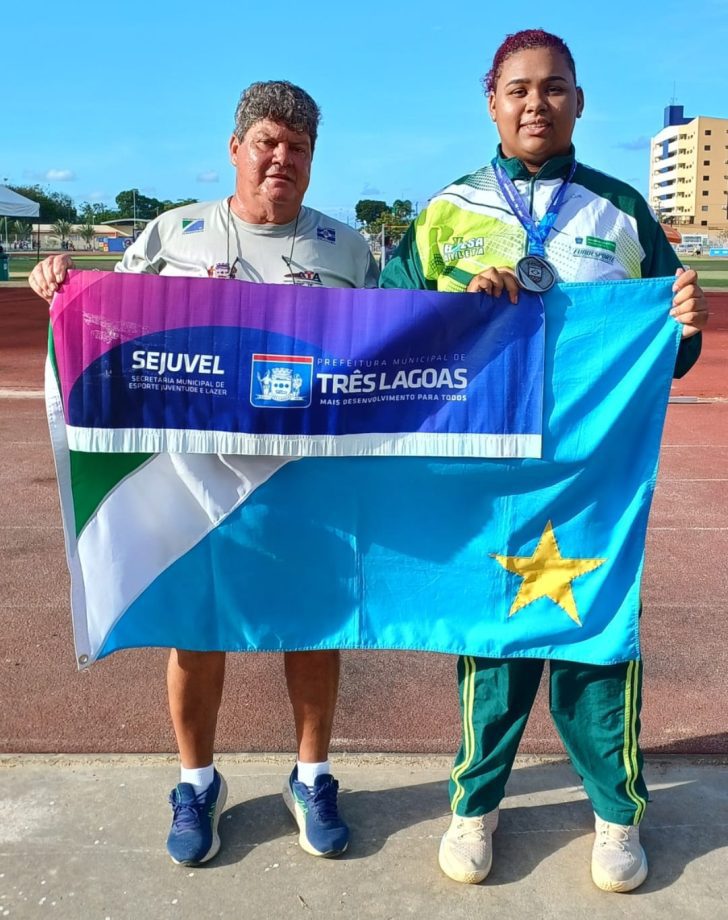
(156, 364)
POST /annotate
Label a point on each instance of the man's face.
(272, 165)
(535, 105)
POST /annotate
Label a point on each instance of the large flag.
(464, 540)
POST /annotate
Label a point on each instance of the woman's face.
(535, 105)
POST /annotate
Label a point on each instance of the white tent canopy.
(14, 205)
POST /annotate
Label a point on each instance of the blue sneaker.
(323, 833)
(193, 837)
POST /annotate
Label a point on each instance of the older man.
(261, 233)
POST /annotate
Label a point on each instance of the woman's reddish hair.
(522, 41)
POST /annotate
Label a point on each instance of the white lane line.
(30, 527)
(696, 400)
(685, 528)
(8, 393)
(693, 606)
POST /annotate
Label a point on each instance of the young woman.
(532, 216)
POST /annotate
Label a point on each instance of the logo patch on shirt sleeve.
(328, 234)
(193, 226)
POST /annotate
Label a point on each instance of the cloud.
(209, 176)
(369, 189)
(59, 175)
(94, 197)
(640, 143)
(50, 175)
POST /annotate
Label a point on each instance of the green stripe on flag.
(52, 353)
(93, 476)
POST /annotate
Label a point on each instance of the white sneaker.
(466, 849)
(618, 860)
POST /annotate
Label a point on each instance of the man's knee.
(201, 663)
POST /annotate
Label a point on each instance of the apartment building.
(689, 172)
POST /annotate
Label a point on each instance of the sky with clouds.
(103, 97)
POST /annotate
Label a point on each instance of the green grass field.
(21, 264)
(713, 272)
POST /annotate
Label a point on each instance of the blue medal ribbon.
(536, 232)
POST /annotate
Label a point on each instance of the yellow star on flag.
(547, 574)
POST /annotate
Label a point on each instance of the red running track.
(389, 701)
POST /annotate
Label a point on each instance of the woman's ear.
(491, 105)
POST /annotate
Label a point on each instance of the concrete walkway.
(83, 838)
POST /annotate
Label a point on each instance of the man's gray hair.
(280, 101)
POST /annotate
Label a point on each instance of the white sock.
(198, 777)
(307, 772)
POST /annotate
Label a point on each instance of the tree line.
(375, 216)
(66, 218)
(56, 206)
(59, 209)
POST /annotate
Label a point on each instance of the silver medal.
(535, 274)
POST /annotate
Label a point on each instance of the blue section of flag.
(326, 233)
(400, 553)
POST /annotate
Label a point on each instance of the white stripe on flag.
(151, 519)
